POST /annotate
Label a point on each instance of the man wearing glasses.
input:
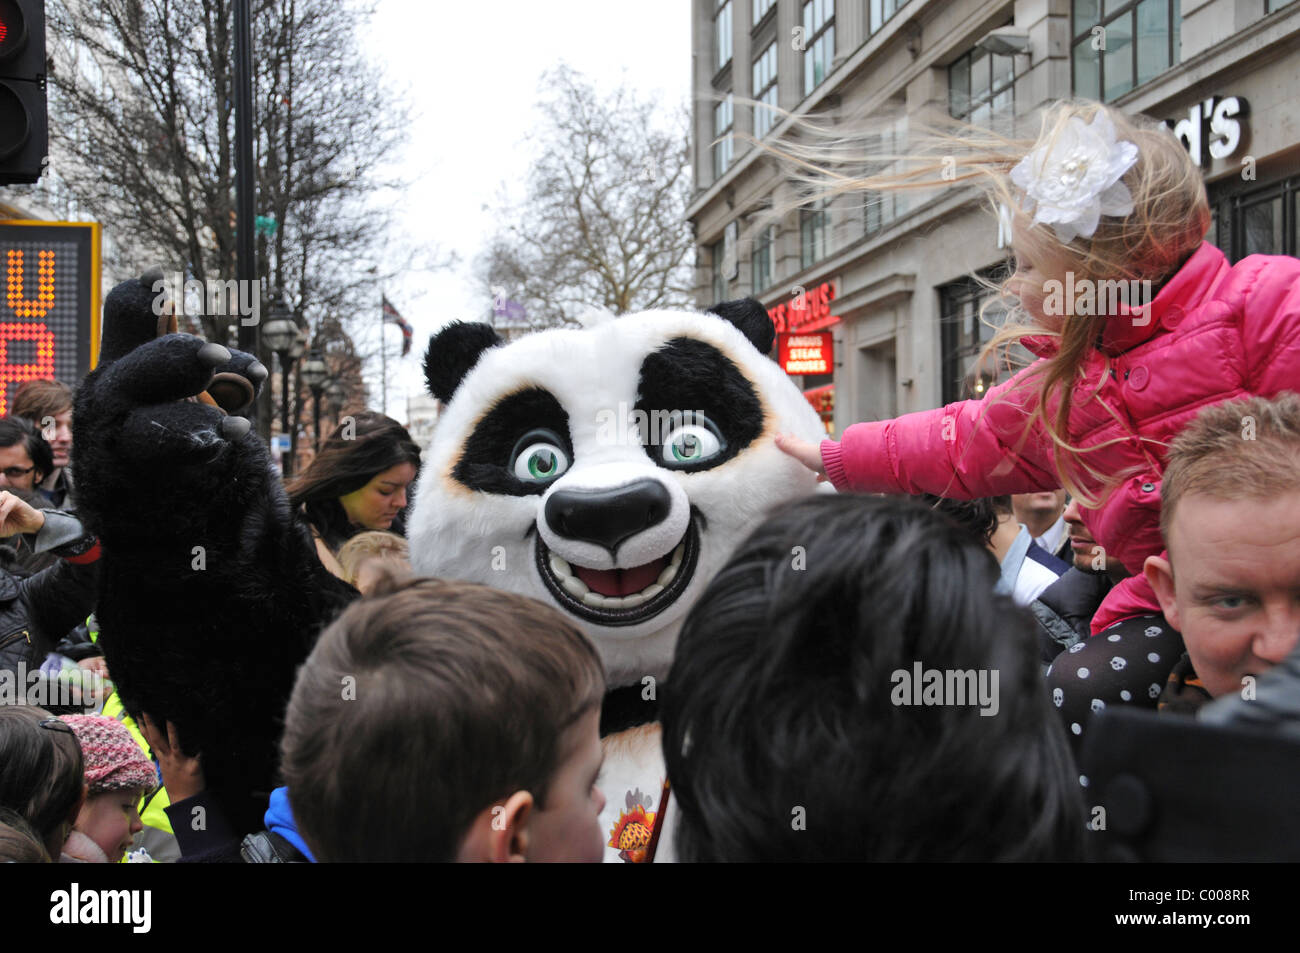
(25, 458)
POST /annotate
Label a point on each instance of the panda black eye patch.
(487, 461)
(686, 377)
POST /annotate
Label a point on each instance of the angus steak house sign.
(807, 311)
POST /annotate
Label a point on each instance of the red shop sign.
(806, 353)
(807, 311)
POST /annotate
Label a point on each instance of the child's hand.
(807, 453)
(182, 775)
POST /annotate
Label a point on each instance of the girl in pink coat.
(1136, 322)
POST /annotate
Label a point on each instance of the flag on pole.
(392, 317)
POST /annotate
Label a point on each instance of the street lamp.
(281, 336)
(336, 392)
(314, 371)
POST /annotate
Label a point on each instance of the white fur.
(483, 537)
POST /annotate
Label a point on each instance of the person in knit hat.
(118, 775)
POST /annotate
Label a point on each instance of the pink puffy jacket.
(1214, 332)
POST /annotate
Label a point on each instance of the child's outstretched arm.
(969, 449)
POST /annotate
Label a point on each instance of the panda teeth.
(560, 568)
(575, 587)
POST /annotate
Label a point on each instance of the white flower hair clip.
(1076, 179)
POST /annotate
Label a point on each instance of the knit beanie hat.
(114, 762)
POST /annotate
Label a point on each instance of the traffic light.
(24, 132)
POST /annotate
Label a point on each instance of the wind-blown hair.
(1170, 218)
(779, 706)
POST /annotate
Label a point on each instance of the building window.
(963, 334)
(761, 9)
(717, 255)
(723, 120)
(765, 91)
(722, 33)
(762, 259)
(1106, 59)
(882, 10)
(1271, 5)
(819, 42)
(1262, 221)
(980, 86)
(814, 230)
(880, 211)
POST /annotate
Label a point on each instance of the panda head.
(609, 471)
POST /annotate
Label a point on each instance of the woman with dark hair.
(357, 482)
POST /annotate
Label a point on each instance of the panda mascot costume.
(610, 471)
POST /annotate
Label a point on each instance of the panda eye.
(690, 445)
(539, 458)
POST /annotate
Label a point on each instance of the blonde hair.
(373, 544)
(1239, 448)
(1170, 218)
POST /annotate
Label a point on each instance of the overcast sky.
(470, 71)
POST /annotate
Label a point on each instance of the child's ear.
(508, 836)
(1160, 576)
(499, 834)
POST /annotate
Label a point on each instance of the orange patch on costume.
(632, 833)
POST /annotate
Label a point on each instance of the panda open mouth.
(620, 596)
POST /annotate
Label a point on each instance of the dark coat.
(37, 611)
(1064, 610)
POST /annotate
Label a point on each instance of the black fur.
(209, 638)
(687, 376)
(487, 461)
(129, 318)
(752, 319)
(453, 352)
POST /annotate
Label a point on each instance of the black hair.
(14, 430)
(358, 450)
(978, 518)
(781, 735)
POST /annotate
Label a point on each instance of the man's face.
(1088, 554)
(568, 830)
(1232, 585)
(1038, 509)
(57, 431)
(16, 470)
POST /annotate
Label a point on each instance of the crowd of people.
(1116, 526)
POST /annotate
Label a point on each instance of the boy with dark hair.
(850, 688)
(439, 722)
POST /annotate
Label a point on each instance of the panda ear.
(453, 352)
(752, 319)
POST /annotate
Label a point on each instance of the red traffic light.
(13, 29)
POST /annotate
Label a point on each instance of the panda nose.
(609, 515)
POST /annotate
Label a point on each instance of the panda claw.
(233, 428)
(213, 354)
